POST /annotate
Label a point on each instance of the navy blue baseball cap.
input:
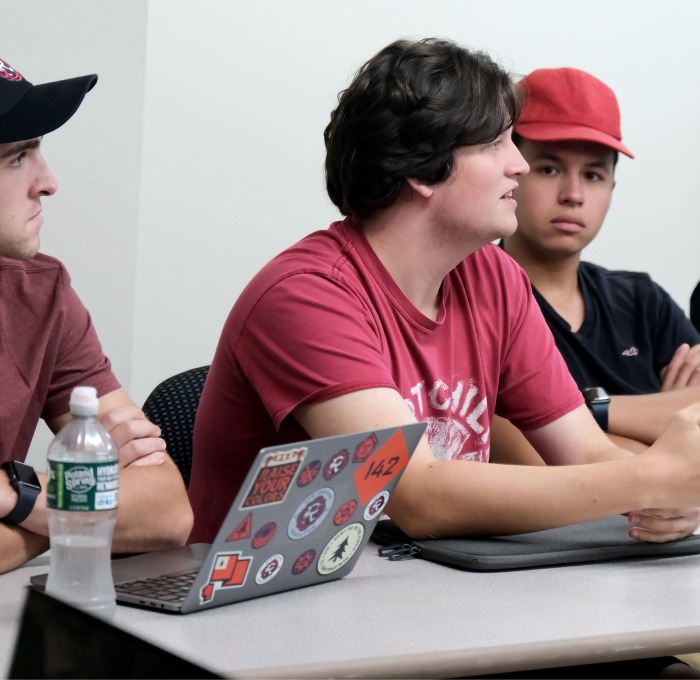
(28, 111)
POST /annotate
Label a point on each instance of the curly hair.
(406, 111)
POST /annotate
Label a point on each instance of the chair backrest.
(172, 405)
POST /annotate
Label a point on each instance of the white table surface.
(418, 619)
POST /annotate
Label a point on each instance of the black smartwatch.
(598, 400)
(25, 482)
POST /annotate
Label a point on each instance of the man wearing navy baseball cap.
(28, 111)
(48, 346)
(624, 339)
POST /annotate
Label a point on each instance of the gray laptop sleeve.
(595, 541)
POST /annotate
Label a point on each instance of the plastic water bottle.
(83, 480)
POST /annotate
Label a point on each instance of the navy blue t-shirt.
(630, 331)
(695, 307)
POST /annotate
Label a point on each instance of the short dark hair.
(406, 111)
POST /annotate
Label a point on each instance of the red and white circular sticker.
(310, 513)
(376, 505)
(270, 568)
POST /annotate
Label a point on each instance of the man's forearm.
(587, 479)
(481, 499)
(632, 445)
(18, 545)
(154, 511)
(644, 417)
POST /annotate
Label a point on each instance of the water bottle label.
(82, 487)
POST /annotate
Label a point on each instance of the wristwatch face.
(595, 395)
(25, 475)
(28, 487)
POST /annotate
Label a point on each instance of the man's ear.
(421, 188)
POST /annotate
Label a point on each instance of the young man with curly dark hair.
(405, 310)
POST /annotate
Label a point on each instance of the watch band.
(600, 413)
(598, 401)
(27, 492)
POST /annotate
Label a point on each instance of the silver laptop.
(302, 516)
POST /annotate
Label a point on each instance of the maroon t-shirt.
(48, 346)
(325, 318)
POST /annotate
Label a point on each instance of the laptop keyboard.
(169, 587)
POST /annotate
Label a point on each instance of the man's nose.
(571, 190)
(45, 183)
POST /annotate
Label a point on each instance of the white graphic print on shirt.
(457, 428)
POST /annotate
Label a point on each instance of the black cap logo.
(8, 73)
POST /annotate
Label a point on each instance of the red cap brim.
(560, 132)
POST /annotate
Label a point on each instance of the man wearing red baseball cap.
(48, 346)
(619, 332)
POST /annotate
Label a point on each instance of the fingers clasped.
(683, 370)
(137, 438)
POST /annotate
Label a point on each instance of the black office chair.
(172, 405)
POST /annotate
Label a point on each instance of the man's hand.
(659, 526)
(671, 472)
(683, 370)
(136, 437)
(678, 446)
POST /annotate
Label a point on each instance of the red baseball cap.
(28, 111)
(562, 104)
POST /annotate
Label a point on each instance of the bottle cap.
(83, 401)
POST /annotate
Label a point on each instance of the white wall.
(199, 154)
(91, 222)
(238, 94)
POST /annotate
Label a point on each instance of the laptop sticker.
(341, 548)
(310, 513)
(269, 569)
(365, 448)
(229, 570)
(275, 475)
(336, 464)
(263, 535)
(242, 530)
(376, 472)
(303, 562)
(308, 474)
(345, 512)
(376, 505)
